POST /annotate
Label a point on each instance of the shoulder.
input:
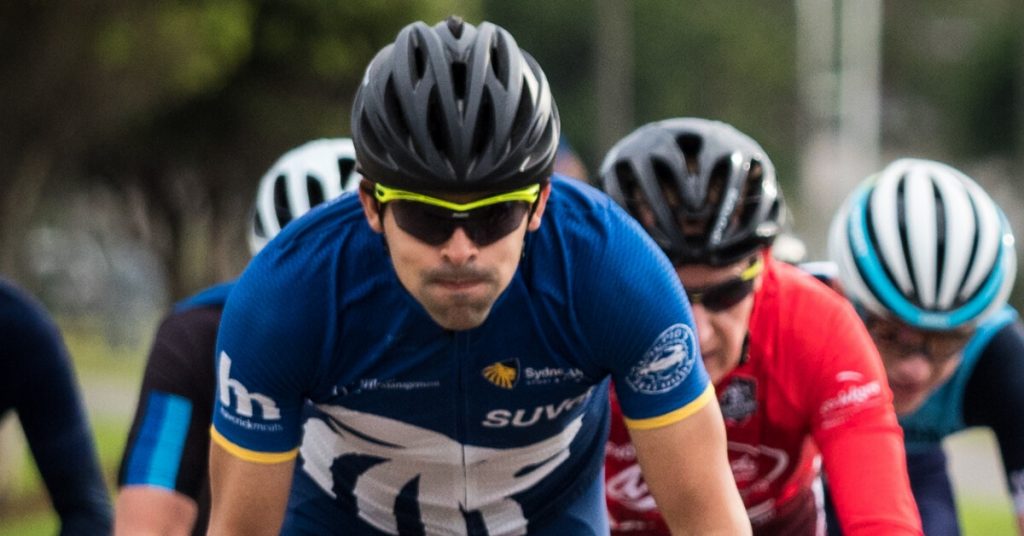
(796, 317)
(214, 296)
(574, 203)
(802, 294)
(582, 222)
(329, 246)
(22, 316)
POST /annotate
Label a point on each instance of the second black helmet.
(704, 191)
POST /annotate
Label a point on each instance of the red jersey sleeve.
(853, 421)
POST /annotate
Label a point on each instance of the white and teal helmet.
(923, 243)
(304, 177)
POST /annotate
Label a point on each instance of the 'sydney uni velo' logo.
(666, 363)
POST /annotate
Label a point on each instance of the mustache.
(458, 274)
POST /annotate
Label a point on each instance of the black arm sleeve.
(162, 436)
(994, 396)
(46, 396)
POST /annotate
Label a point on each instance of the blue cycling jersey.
(499, 429)
(942, 414)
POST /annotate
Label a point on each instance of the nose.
(459, 249)
(705, 332)
(913, 367)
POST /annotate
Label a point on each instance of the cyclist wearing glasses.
(928, 259)
(163, 483)
(795, 372)
(454, 349)
(40, 387)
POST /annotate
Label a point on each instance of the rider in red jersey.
(797, 376)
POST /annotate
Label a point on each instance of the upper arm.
(687, 471)
(993, 398)
(49, 405)
(646, 337)
(855, 426)
(269, 346)
(169, 439)
(249, 498)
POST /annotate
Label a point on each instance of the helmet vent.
(499, 66)
(690, 145)
(940, 243)
(345, 167)
(257, 223)
(455, 25)
(419, 63)
(483, 130)
(636, 202)
(750, 196)
(281, 208)
(459, 80)
(436, 125)
(524, 112)
(393, 104)
(314, 191)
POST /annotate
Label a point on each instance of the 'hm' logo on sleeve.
(244, 399)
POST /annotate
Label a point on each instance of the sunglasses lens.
(489, 224)
(723, 296)
(434, 225)
(427, 223)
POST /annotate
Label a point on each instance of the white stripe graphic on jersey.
(452, 478)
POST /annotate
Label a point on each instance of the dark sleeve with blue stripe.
(40, 385)
(169, 440)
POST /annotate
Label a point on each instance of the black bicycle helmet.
(455, 108)
(704, 191)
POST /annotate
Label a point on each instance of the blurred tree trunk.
(20, 194)
(614, 65)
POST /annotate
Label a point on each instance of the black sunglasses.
(727, 294)
(432, 220)
(434, 225)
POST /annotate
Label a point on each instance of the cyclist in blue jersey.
(457, 373)
(39, 385)
(164, 488)
(928, 258)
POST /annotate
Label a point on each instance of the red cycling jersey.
(813, 383)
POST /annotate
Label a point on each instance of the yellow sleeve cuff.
(674, 416)
(251, 455)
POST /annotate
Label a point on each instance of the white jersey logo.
(225, 386)
(452, 479)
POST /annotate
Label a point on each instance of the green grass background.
(110, 378)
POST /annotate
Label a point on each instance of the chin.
(461, 319)
(907, 407)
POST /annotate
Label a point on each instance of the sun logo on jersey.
(504, 374)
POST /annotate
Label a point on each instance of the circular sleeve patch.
(666, 363)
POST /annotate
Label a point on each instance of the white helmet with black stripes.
(923, 243)
(301, 179)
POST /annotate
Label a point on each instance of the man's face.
(457, 281)
(916, 361)
(722, 299)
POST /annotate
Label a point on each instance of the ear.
(371, 208)
(542, 203)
